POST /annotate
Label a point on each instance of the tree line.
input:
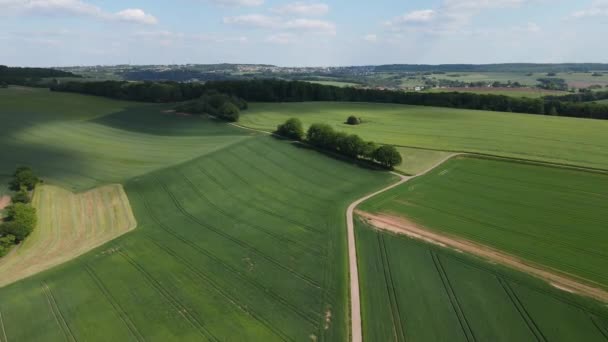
(28, 76)
(222, 106)
(271, 90)
(325, 137)
(20, 219)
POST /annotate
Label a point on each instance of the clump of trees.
(20, 219)
(353, 120)
(325, 137)
(291, 129)
(216, 104)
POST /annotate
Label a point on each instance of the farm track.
(124, 317)
(355, 294)
(239, 242)
(522, 311)
(172, 300)
(598, 325)
(462, 318)
(399, 331)
(59, 318)
(263, 289)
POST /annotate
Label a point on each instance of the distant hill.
(29, 76)
(508, 67)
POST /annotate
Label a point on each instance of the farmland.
(549, 216)
(535, 137)
(515, 92)
(102, 141)
(69, 225)
(203, 263)
(412, 291)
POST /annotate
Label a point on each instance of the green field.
(417, 160)
(80, 142)
(574, 80)
(245, 243)
(554, 139)
(416, 292)
(336, 83)
(551, 216)
(513, 92)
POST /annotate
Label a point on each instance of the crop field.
(564, 140)
(413, 291)
(68, 225)
(514, 92)
(244, 243)
(80, 142)
(549, 216)
(575, 80)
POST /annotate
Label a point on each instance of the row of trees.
(271, 90)
(20, 219)
(325, 137)
(213, 103)
(29, 76)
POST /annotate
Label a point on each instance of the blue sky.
(301, 33)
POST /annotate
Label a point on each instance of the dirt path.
(355, 299)
(5, 201)
(404, 226)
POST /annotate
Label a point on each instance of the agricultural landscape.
(156, 188)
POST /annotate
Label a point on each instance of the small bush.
(353, 120)
(292, 129)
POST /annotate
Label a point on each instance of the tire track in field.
(598, 325)
(263, 289)
(218, 288)
(266, 196)
(175, 303)
(2, 326)
(462, 319)
(398, 330)
(59, 318)
(522, 311)
(124, 317)
(279, 237)
(253, 204)
(239, 242)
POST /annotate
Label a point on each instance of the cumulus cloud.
(372, 38)
(237, 3)
(302, 9)
(279, 23)
(74, 8)
(421, 16)
(598, 8)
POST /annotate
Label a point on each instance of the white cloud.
(278, 23)
(281, 38)
(597, 9)
(74, 8)
(372, 38)
(302, 8)
(237, 3)
(421, 16)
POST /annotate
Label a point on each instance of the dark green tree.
(292, 129)
(388, 156)
(229, 112)
(25, 178)
(352, 146)
(20, 223)
(21, 196)
(353, 120)
(321, 135)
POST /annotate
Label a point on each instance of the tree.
(24, 177)
(352, 146)
(5, 243)
(368, 150)
(20, 222)
(388, 156)
(292, 129)
(21, 196)
(3, 84)
(320, 135)
(230, 112)
(353, 120)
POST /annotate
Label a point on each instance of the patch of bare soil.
(5, 201)
(409, 228)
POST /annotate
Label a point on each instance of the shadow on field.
(153, 119)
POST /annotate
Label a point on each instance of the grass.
(550, 216)
(69, 225)
(417, 160)
(412, 291)
(80, 142)
(336, 83)
(575, 80)
(513, 92)
(244, 243)
(553, 139)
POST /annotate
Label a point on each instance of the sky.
(301, 33)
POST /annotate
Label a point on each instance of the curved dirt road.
(355, 299)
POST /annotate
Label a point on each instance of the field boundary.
(559, 280)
